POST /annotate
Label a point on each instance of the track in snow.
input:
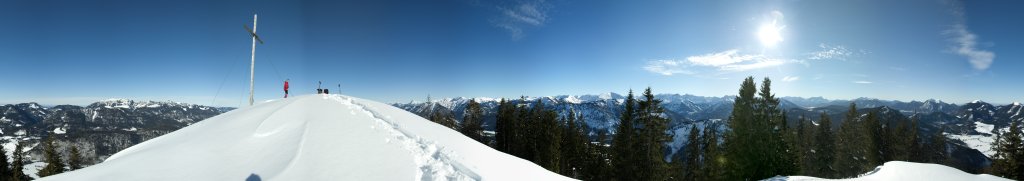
(433, 162)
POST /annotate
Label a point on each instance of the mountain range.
(971, 127)
(105, 127)
(99, 129)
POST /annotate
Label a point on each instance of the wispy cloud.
(521, 15)
(965, 42)
(667, 67)
(729, 60)
(862, 82)
(837, 52)
(790, 78)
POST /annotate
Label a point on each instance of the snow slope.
(313, 137)
(897, 170)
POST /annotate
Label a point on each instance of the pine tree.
(742, 150)
(691, 167)
(824, 148)
(502, 123)
(875, 143)
(1009, 159)
(914, 140)
(472, 121)
(624, 142)
(17, 166)
(712, 165)
(803, 137)
(937, 148)
(782, 161)
(653, 135)
(54, 163)
(5, 167)
(756, 145)
(75, 160)
(850, 146)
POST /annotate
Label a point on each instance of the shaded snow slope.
(313, 137)
(897, 170)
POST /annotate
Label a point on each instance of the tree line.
(12, 170)
(756, 143)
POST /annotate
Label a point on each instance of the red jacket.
(285, 85)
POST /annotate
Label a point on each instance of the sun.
(769, 34)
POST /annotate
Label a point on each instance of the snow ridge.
(434, 162)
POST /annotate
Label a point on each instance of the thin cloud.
(862, 82)
(790, 78)
(667, 67)
(521, 15)
(965, 42)
(729, 60)
(837, 52)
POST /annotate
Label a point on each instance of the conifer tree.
(875, 143)
(756, 145)
(75, 159)
(803, 137)
(17, 165)
(824, 148)
(624, 142)
(653, 135)
(472, 121)
(850, 153)
(1009, 159)
(691, 167)
(914, 139)
(937, 148)
(781, 159)
(712, 163)
(54, 163)
(503, 123)
(5, 167)
(742, 150)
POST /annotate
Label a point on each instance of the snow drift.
(897, 170)
(313, 137)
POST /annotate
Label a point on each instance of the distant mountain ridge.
(601, 112)
(99, 129)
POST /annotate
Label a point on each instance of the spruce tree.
(653, 135)
(824, 148)
(624, 142)
(782, 161)
(54, 163)
(472, 121)
(75, 159)
(1008, 161)
(803, 137)
(850, 156)
(17, 165)
(5, 167)
(712, 165)
(503, 123)
(742, 151)
(914, 139)
(937, 148)
(875, 143)
(691, 167)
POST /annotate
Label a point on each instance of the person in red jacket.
(285, 88)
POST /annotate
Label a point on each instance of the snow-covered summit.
(313, 137)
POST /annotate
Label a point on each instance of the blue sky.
(77, 52)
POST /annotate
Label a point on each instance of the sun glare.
(769, 34)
